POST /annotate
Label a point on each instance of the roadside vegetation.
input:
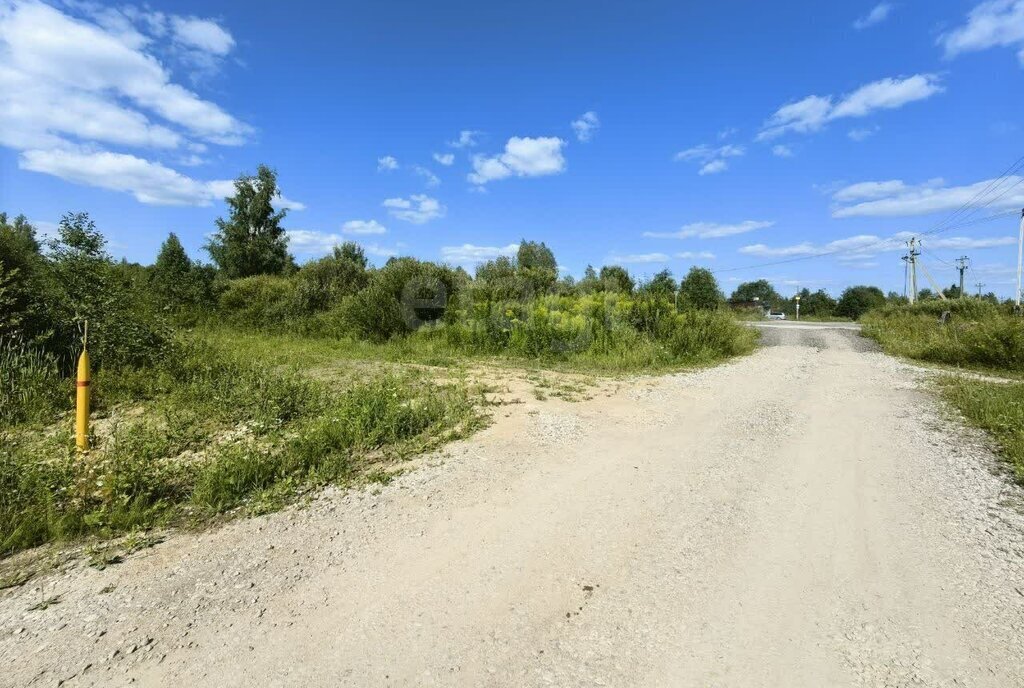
(205, 396)
(977, 335)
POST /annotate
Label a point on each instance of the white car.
(775, 316)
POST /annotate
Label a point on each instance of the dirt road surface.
(805, 516)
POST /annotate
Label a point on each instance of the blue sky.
(651, 134)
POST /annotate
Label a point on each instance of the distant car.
(775, 316)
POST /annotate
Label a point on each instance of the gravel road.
(805, 516)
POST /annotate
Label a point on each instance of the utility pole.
(911, 258)
(979, 285)
(962, 263)
(1020, 256)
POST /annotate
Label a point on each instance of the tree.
(23, 280)
(590, 282)
(320, 284)
(760, 290)
(699, 290)
(81, 265)
(536, 265)
(616, 278)
(858, 300)
(953, 292)
(662, 284)
(251, 241)
(818, 304)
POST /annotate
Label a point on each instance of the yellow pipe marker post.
(82, 397)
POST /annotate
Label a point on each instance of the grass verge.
(995, 407)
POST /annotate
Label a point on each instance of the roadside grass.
(980, 336)
(995, 407)
(210, 432)
(695, 339)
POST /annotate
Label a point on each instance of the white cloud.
(586, 126)
(431, 179)
(727, 133)
(202, 34)
(363, 227)
(523, 157)
(149, 182)
(781, 151)
(387, 163)
(308, 243)
(814, 112)
(226, 187)
(467, 139)
(417, 209)
(470, 254)
(877, 15)
(894, 198)
(638, 258)
(56, 51)
(690, 255)
(862, 133)
(303, 242)
(996, 23)
(76, 83)
(445, 159)
(711, 230)
(711, 158)
(379, 251)
(705, 153)
(862, 246)
(713, 167)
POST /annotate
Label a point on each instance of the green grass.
(995, 407)
(979, 335)
(209, 433)
(691, 339)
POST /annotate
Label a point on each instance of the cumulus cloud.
(467, 139)
(387, 163)
(471, 254)
(304, 242)
(523, 157)
(895, 198)
(41, 44)
(202, 34)
(877, 15)
(713, 167)
(87, 76)
(691, 255)
(813, 112)
(417, 209)
(586, 126)
(996, 23)
(711, 230)
(445, 159)
(363, 227)
(712, 159)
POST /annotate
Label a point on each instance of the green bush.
(263, 302)
(31, 387)
(977, 333)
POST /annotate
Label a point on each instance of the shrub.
(31, 387)
(264, 302)
(979, 333)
